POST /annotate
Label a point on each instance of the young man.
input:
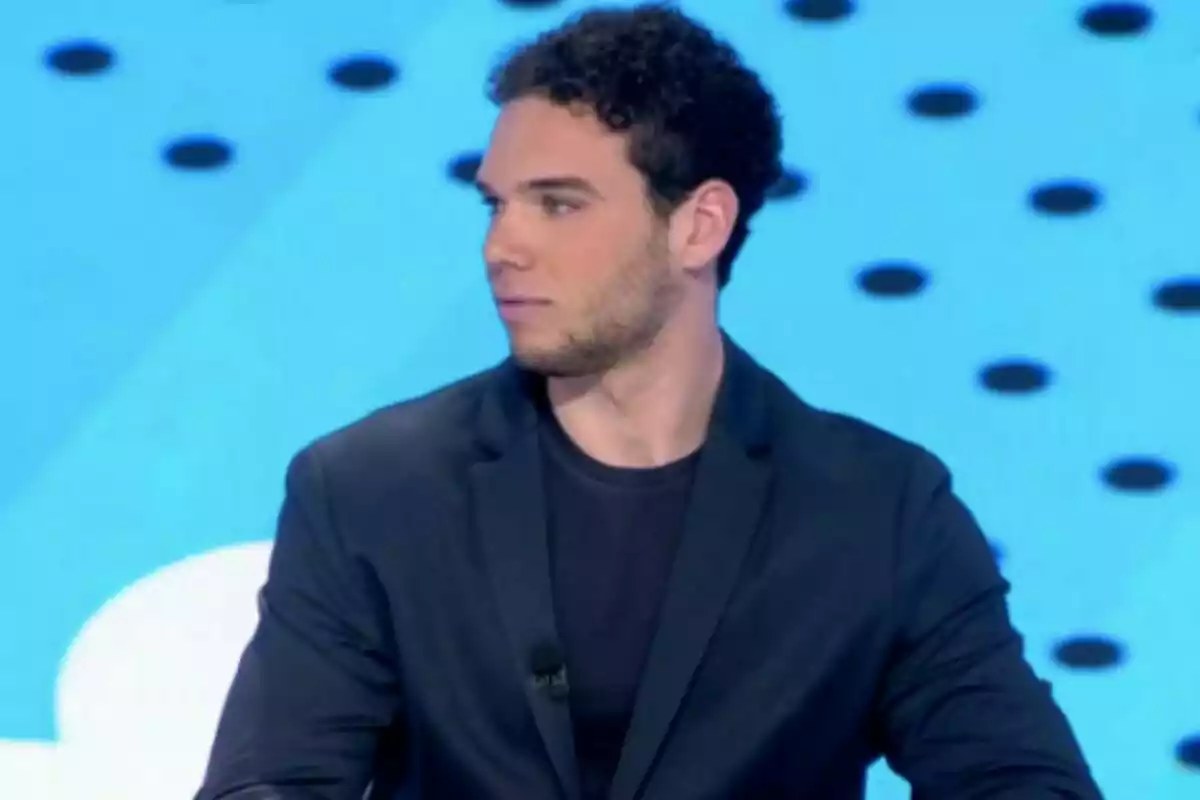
(628, 561)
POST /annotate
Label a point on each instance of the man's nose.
(503, 249)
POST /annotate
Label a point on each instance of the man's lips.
(514, 308)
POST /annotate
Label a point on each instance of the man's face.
(577, 261)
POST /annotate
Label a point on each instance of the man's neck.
(650, 411)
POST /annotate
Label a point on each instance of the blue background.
(168, 337)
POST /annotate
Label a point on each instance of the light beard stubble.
(624, 321)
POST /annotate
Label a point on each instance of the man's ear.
(702, 225)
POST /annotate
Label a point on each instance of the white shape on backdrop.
(141, 687)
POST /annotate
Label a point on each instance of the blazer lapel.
(727, 501)
(511, 518)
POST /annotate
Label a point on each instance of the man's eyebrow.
(549, 182)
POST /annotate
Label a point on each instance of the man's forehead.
(539, 140)
(535, 125)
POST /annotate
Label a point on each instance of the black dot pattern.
(199, 152)
(363, 73)
(1089, 653)
(892, 279)
(80, 58)
(790, 184)
(943, 101)
(531, 4)
(820, 10)
(1179, 295)
(1138, 474)
(1015, 376)
(1065, 198)
(1187, 752)
(465, 167)
(1116, 19)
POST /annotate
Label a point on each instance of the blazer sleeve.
(316, 686)
(962, 714)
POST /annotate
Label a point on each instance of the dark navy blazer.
(832, 601)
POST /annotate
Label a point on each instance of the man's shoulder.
(434, 427)
(840, 449)
(859, 479)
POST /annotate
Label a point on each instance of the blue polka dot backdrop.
(230, 226)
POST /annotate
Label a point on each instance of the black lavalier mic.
(549, 670)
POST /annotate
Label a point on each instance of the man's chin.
(550, 362)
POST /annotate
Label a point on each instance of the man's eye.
(555, 206)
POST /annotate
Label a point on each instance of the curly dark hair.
(692, 109)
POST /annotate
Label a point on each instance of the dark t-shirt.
(612, 536)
